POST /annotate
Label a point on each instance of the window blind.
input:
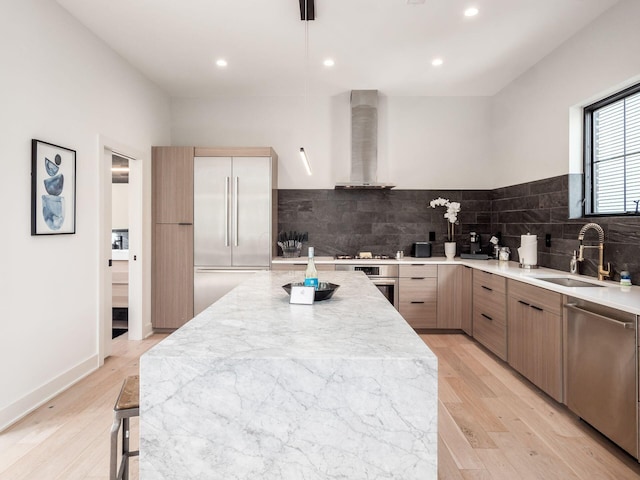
(616, 156)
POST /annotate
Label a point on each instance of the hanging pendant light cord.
(303, 154)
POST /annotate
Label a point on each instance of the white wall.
(530, 118)
(426, 142)
(59, 84)
(521, 134)
(120, 206)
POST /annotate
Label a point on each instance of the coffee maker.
(475, 243)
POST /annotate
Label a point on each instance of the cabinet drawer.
(421, 271)
(490, 333)
(419, 315)
(536, 296)
(492, 305)
(418, 289)
(489, 281)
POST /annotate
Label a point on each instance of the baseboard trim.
(41, 395)
(147, 330)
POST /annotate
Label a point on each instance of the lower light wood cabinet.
(535, 336)
(466, 302)
(449, 296)
(172, 291)
(490, 312)
(418, 295)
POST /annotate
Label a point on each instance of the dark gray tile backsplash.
(349, 221)
(380, 221)
(542, 207)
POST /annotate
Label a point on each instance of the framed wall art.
(53, 189)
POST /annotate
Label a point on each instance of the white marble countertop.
(256, 320)
(609, 293)
(254, 387)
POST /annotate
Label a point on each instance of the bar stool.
(127, 406)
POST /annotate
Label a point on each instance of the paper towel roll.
(528, 251)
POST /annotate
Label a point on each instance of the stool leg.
(125, 447)
(113, 466)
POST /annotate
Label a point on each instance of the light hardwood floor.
(492, 425)
(68, 437)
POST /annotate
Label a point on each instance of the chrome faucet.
(602, 273)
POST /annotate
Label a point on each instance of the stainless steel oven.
(384, 276)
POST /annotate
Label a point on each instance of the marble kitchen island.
(256, 388)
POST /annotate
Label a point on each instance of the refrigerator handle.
(226, 212)
(235, 213)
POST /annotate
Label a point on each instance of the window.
(612, 154)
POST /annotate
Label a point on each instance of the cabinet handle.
(537, 308)
(487, 288)
(417, 302)
(524, 303)
(226, 211)
(417, 278)
(185, 223)
(235, 214)
(486, 316)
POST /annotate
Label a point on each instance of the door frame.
(139, 243)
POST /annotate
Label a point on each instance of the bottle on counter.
(625, 278)
(311, 274)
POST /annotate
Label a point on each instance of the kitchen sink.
(568, 282)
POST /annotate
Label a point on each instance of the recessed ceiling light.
(221, 62)
(329, 62)
(436, 62)
(471, 12)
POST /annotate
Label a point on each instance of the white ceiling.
(376, 44)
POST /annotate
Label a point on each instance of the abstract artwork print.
(53, 185)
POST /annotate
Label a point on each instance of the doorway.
(133, 249)
(119, 245)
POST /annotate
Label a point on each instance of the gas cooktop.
(363, 257)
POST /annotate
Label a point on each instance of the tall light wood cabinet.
(172, 265)
(172, 275)
(172, 184)
(535, 336)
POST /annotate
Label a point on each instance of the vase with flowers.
(453, 208)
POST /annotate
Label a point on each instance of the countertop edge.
(610, 293)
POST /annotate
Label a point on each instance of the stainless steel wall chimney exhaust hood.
(364, 142)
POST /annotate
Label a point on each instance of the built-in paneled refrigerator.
(233, 223)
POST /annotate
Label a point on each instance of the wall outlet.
(547, 240)
(432, 236)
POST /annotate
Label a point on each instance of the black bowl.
(324, 292)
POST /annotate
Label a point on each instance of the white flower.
(439, 202)
(453, 208)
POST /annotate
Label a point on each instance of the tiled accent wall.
(542, 207)
(346, 222)
(380, 221)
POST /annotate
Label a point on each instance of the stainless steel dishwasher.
(602, 371)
